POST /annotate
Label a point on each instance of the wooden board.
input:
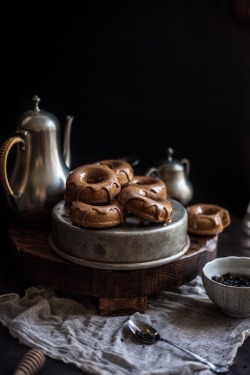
(118, 291)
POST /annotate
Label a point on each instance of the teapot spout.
(66, 146)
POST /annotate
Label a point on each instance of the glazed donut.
(146, 204)
(156, 185)
(207, 219)
(90, 216)
(123, 170)
(93, 184)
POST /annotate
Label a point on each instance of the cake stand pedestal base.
(118, 292)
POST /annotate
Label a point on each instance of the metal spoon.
(149, 335)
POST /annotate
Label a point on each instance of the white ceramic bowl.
(231, 300)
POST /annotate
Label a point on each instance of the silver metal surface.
(38, 179)
(175, 175)
(129, 246)
(246, 220)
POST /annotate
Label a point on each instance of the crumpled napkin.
(73, 332)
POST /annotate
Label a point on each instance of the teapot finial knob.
(170, 153)
(36, 100)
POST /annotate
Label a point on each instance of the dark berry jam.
(232, 280)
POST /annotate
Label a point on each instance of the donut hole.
(94, 179)
(144, 180)
(121, 168)
(95, 176)
(209, 210)
(156, 185)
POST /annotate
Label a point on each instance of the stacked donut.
(102, 193)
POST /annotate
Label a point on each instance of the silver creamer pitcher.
(40, 169)
(175, 175)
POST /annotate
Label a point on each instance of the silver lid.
(38, 120)
(171, 164)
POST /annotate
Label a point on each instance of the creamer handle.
(4, 152)
(186, 165)
(152, 172)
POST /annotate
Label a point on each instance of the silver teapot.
(40, 169)
(174, 173)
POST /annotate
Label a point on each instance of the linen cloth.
(73, 332)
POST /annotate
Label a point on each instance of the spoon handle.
(196, 356)
(214, 367)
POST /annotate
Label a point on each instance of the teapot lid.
(38, 120)
(172, 164)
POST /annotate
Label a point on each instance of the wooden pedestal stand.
(118, 292)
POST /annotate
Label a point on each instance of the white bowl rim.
(245, 261)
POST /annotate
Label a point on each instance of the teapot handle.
(186, 165)
(152, 172)
(4, 152)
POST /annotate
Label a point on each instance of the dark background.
(139, 76)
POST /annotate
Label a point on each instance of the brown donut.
(123, 170)
(91, 216)
(93, 184)
(207, 219)
(146, 204)
(156, 185)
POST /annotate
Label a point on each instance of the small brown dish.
(207, 219)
